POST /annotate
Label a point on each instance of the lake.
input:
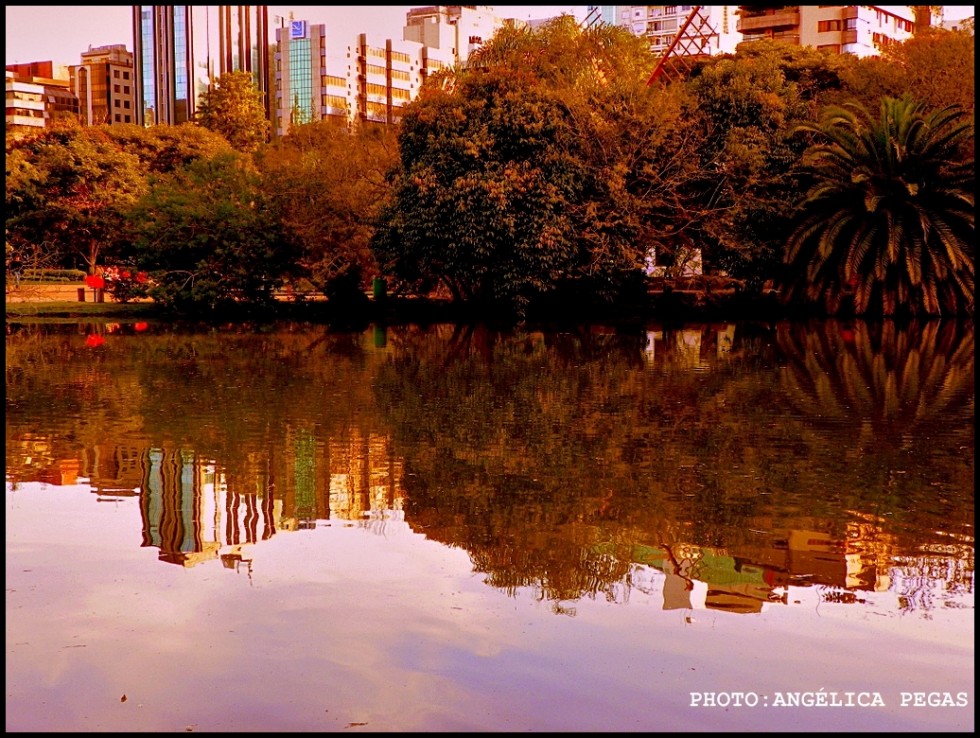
(289, 527)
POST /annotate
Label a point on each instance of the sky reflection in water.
(429, 529)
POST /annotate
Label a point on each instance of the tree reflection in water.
(584, 463)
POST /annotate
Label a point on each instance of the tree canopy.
(234, 108)
(890, 215)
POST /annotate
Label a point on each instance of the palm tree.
(889, 216)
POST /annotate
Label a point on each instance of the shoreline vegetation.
(664, 303)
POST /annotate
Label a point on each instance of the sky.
(60, 33)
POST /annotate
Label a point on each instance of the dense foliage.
(207, 237)
(890, 213)
(543, 171)
(327, 184)
(233, 107)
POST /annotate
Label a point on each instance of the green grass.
(69, 309)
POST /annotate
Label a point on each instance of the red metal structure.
(693, 41)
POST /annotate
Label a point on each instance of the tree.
(934, 66)
(748, 105)
(327, 183)
(163, 149)
(545, 166)
(889, 214)
(233, 107)
(207, 236)
(69, 189)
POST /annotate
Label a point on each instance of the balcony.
(849, 37)
(790, 38)
(778, 19)
(850, 12)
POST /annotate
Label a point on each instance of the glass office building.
(180, 50)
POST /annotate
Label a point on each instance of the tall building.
(351, 81)
(454, 29)
(713, 31)
(105, 86)
(314, 77)
(164, 64)
(37, 94)
(605, 13)
(390, 75)
(180, 50)
(862, 30)
(25, 105)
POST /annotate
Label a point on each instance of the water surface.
(457, 528)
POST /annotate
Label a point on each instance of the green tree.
(163, 149)
(327, 184)
(934, 66)
(233, 107)
(69, 189)
(546, 166)
(208, 237)
(748, 105)
(889, 215)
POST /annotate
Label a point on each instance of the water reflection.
(721, 466)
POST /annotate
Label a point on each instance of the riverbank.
(665, 305)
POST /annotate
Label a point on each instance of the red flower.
(93, 340)
(95, 281)
(141, 326)
(126, 274)
(141, 277)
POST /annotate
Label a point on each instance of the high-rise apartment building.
(862, 30)
(37, 94)
(604, 13)
(105, 86)
(714, 30)
(180, 50)
(359, 80)
(454, 29)
(25, 105)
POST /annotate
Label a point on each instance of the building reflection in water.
(196, 507)
(193, 512)
(743, 579)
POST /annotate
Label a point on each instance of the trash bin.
(81, 294)
(379, 288)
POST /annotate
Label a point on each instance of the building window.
(115, 74)
(828, 25)
(851, 24)
(115, 88)
(125, 75)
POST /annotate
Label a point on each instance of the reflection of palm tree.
(888, 215)
(895, 378)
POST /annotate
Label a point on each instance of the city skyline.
(61, 33)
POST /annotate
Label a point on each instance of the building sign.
(297, 29)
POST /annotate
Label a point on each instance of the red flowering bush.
(126, 284)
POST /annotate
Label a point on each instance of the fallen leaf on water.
(123, 698)
(353, 725)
